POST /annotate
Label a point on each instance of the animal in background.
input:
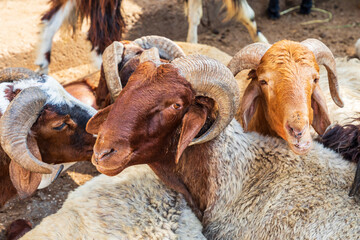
(107, 23)
(273, 9)
(345, 139)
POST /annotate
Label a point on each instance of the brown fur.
(106, 22)
(83, 92)
(17, 229)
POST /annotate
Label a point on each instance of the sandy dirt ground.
(19, 21)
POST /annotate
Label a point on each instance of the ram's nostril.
(105, 153)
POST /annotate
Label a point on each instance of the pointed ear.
(320, 112)
(192, 123)
(249, 103)
(25, 181)
(94, 123)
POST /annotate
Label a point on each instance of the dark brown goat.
(42, 125)
(346, 141)
(160, 116)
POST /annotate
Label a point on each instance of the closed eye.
(60, 127)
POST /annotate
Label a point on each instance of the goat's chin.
(110, 172)
(301, 148)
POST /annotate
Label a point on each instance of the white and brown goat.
(41, 126)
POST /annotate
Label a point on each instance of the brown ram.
(284, 97)
(41, 125)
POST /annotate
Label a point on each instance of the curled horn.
(151, 54)
(15, 126)
(325, 57)
(248, 57)
(112, 56)
(167, 48)
(212, 79)
(14, 74)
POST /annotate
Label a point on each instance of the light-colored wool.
(348, 72)
(132, 205)
(261, 190)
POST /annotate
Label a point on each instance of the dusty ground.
(70, 59)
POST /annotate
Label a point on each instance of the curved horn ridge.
(167, 48)
(212, 79)
(15, 125)
(151, 54)
(112, 56)
(324, 56)
(248, 57)
(14, 74)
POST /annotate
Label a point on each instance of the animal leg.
(245, 14)
(305, 7)
(51, 22)
(273, 10)
(194, 13)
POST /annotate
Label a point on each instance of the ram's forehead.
(57, 95)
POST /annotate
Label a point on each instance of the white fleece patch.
(97, 58)
(57, 95)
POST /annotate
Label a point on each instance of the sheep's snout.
(296, 130)
(100, 156)
(110, 156)
(298, 133)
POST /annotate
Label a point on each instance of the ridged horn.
(248, 57)
(15, 74)
(15, 126)
(112, 56)
(325, 57)
(168, 49)
(212, 79)
(151, 54)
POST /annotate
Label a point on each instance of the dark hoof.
(305, 11)
(273, 15)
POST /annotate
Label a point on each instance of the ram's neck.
(213, 169)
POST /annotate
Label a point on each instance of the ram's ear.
(94, 123)
(25, 181)
(192, 123)
(249, 103)
(320, 112)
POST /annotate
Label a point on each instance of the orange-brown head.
(284, 97)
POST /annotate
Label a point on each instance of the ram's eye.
(316, 80)
(263, 82)
(176, 106)
(60, 127)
